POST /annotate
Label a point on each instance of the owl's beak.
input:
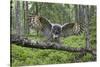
(55, 36)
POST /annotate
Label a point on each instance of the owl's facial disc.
(56, 31)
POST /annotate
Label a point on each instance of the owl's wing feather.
(69, 29)
(46, 26)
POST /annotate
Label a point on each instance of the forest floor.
(31, 56)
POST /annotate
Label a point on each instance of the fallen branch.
(25, 42)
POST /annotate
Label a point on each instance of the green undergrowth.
(31, 56)
(74, 41)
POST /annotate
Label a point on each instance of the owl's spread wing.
(69, 29)
(45, 26)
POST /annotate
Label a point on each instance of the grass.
(74, 41)
(32, 56)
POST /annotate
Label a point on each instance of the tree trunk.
(27, 14)
(11, 24)
(25, 42)
(37, 13)
(76, 13)
(18, 32)
(26, 21)
(37, 9)
(81, 17)
(86, 20)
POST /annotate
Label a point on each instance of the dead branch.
(25, 42)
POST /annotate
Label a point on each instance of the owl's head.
(56, 31)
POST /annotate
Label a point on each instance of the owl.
(52, 31)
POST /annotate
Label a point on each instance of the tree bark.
(26, 21)
(86, 20)
(11, 24)
(37, 11)
(18, 32)
(25, 42)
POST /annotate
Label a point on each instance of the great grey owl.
(53, 32)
